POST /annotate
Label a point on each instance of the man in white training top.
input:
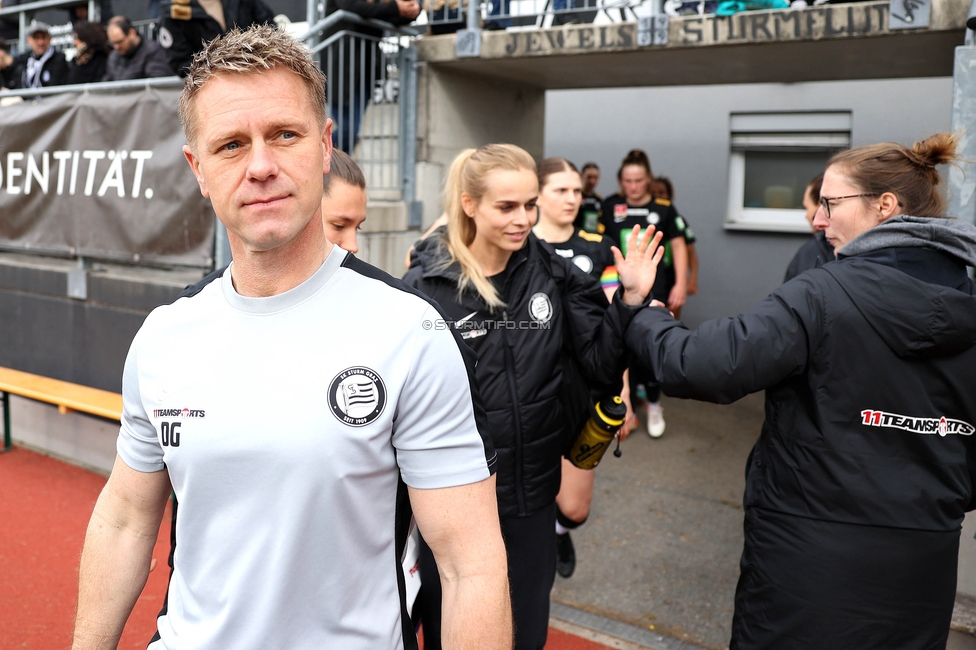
(301, 405)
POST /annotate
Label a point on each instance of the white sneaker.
(655, 420)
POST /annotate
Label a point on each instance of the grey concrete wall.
(685, 131)
(82, 341)
(456, 111)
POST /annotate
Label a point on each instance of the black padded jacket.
(868, 363)
(553, 310)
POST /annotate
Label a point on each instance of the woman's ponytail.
(909, 174)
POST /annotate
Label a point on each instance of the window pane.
(777, 179)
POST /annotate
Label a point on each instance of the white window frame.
(784, 132)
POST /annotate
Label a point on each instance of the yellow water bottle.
(606, 416)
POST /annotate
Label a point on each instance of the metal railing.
(371, 96)
(371, 88)
(101, 86)
(446, 16)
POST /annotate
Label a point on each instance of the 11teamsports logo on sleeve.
(942, 426)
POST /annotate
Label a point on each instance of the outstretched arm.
(117, 553)
(728, 358)
(460, 524)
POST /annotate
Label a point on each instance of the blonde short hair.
(242, 51)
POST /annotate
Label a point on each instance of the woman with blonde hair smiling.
(522, 308)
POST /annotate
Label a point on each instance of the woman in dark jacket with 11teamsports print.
(857, 487)
(521, 307)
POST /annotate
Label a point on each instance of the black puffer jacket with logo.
(552, 307)
(869, 367)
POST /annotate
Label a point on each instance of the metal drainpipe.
(962, 177)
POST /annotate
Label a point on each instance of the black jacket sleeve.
(728, 358)
(58, 67)
(184, 37)
(387, 11)
(156, 62)
(413, 276)
(596, 331)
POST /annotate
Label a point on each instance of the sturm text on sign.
(811, 23)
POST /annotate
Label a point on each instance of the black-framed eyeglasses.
(825, 200)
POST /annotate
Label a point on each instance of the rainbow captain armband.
(609, 278)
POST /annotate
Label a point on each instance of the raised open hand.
(638, 269)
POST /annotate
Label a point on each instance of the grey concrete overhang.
(825, 43)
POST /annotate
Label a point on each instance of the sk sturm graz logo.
(357, 396)
(942, 426)
(540, 308)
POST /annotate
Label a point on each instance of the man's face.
(259, 155)
(343, 211)
(122, 42)
(591, 178)
(39, 42)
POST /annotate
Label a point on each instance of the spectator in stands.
(573, 17)
(79, 12)
(6, 65)
(10, 25)
(349, 62)
(91, 53)
(662, 188)
(444, 16)
(42, 65)
(187, 24)
(498, 8)
(134, 57)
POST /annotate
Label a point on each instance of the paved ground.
(44, 511)
(661, 548)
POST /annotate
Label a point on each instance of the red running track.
(44, 510)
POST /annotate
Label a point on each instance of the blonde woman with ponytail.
(857, 487)
(523, 308)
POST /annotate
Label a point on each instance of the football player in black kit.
(662, 188)
(637, 207)
(588, 214)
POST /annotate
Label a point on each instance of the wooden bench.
(66, 395)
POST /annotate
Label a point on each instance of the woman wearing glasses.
(857, 487)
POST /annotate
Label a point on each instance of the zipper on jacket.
(516, 422)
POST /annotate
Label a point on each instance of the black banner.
(101, 175)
